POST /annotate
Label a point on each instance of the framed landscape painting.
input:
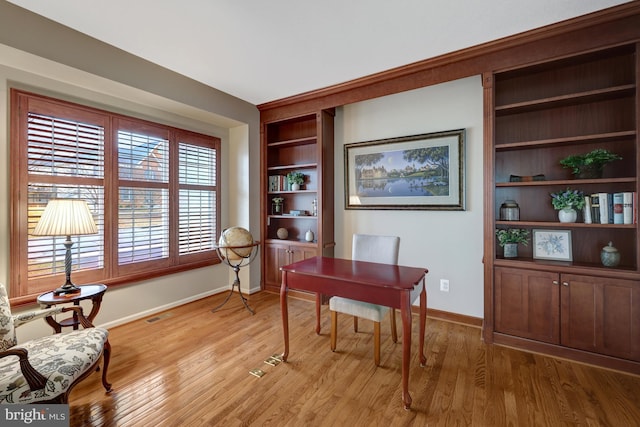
(413, 172)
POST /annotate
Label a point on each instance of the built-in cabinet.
(596, 314)
(278, 254)
(534, 117)
(302, 225)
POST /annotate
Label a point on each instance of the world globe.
(233, 237)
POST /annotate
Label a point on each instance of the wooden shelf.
(293, 216)
(603, 137)
(293, 166)
(624, 272)
(297, 141)
(570, 182)
(293, 192)
(553, 224)
(569, 99)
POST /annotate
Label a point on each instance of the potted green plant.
(509, 238)
(589, 165)
(568, 203)
(296, 179)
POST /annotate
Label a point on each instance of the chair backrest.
(372, 248)
(7, 329)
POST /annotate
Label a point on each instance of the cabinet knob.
(555, 282)
(565, 283)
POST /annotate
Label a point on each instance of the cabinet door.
(601, 315)
(527, 304)
(298, 254)
(275, 257)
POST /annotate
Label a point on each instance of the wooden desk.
(92, 292)
(383, 284)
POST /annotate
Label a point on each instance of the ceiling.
(261, 51)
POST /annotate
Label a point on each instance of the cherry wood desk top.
(384, 284)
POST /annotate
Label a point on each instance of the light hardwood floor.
(191, 368)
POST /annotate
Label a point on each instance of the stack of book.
(611, 208)
(278, 183)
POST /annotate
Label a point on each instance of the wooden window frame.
(22, 289)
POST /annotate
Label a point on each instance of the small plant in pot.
(296, 179)
(568, 203)
(589, 165)
(509, 238)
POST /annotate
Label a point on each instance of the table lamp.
(66, 217)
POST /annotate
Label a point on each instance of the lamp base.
(66, 289)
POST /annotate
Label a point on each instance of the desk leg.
(285, 315)
(423, 321)
(405, 311)
(318, 304)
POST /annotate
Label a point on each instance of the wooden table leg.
(405, 312)
(55, 325)
(285, 315)
(96, 301)
(423, 321)
(318, 304)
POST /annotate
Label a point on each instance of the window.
(152, 189)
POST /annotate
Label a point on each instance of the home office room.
(209, 290)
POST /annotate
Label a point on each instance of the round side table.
(93, 292)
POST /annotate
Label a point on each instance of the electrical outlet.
(444, 285)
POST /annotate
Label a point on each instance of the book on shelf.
(587, 210)
(595, 208)
(603, 204)
(278, 183)
(618, 202)
(611, 208)
(629, 207)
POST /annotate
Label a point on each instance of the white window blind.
(143, 210)
(70, 151)
(197, 208)
(64, 147)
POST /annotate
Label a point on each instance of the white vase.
(295, 187)
(309, 236)
(567, 215)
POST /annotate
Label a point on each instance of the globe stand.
(237, 263)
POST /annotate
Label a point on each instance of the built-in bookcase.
(536, 116)
(301, 144)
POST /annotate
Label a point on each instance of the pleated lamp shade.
(65, 217)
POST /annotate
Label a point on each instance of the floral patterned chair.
(44, 370)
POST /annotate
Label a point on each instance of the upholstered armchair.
(381, 249)
(44, 370)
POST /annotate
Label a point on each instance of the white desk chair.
(380, 249)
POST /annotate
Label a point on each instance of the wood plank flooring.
(190, 367)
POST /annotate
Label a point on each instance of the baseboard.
(165, 307)
(447, 316)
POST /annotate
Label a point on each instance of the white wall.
(125, 303)
(448, 243)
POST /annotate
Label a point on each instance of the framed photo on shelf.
(419, 172)
(552, 245)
